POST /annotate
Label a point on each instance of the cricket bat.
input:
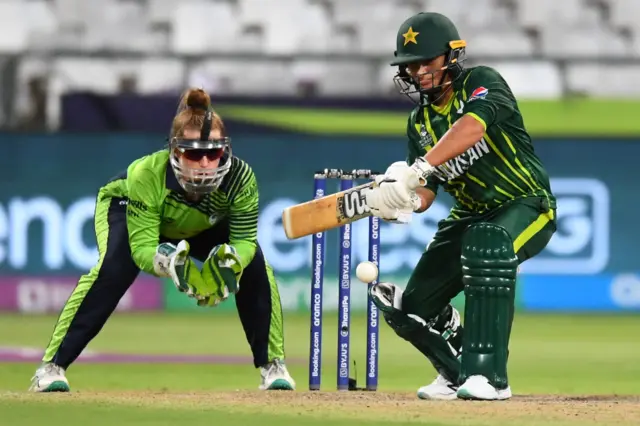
(325, 213)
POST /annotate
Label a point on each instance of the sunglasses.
(199, 154)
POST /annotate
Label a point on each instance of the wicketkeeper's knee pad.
(489, 267)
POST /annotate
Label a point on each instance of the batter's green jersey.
(502, 166)
(157, 207)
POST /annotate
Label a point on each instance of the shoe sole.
(464, 394)
(280, 384)
(442, 398)
(57, 386)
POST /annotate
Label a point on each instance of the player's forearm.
(465, 133)
(246, 250)
(144, 238)
(244, 232)
(143, 258)
(426, 198)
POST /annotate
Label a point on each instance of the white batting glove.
(397, 170)
(389, 214)
(382, 202)
(401, 217)
(410, 177)
(395, 195)
(391, 197)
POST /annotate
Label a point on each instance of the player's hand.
(222, 271)
(410, 177)
(212, 301)
(380, 206)
(390, 199)
(397, 170)
(395, 195)
(400, 217)
(174, 262)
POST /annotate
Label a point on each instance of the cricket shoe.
(49, 378)
(478, 387)
(276, 377)
(440, 389)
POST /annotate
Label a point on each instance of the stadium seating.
(544, 47)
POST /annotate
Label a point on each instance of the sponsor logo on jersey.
(137, 205)
(479, 93)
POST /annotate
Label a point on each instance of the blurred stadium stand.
(545, 48)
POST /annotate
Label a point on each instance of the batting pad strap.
(489, 267)
(386, 296)
(436, 340)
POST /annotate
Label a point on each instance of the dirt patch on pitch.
(522, 409)
(525, 410)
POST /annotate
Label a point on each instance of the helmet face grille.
(185, 154)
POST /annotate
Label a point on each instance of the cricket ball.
(367, 272)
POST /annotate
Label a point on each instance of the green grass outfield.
(571, 117)
(564, 370)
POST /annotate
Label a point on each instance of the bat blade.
(325, 213)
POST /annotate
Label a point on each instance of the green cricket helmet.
(421, 38)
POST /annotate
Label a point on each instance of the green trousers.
(437, 278)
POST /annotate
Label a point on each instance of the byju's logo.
(581, 242)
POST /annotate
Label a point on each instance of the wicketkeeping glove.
(223, 270)
(174, 262)
(212, 301)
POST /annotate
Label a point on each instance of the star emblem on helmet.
(410, 36)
